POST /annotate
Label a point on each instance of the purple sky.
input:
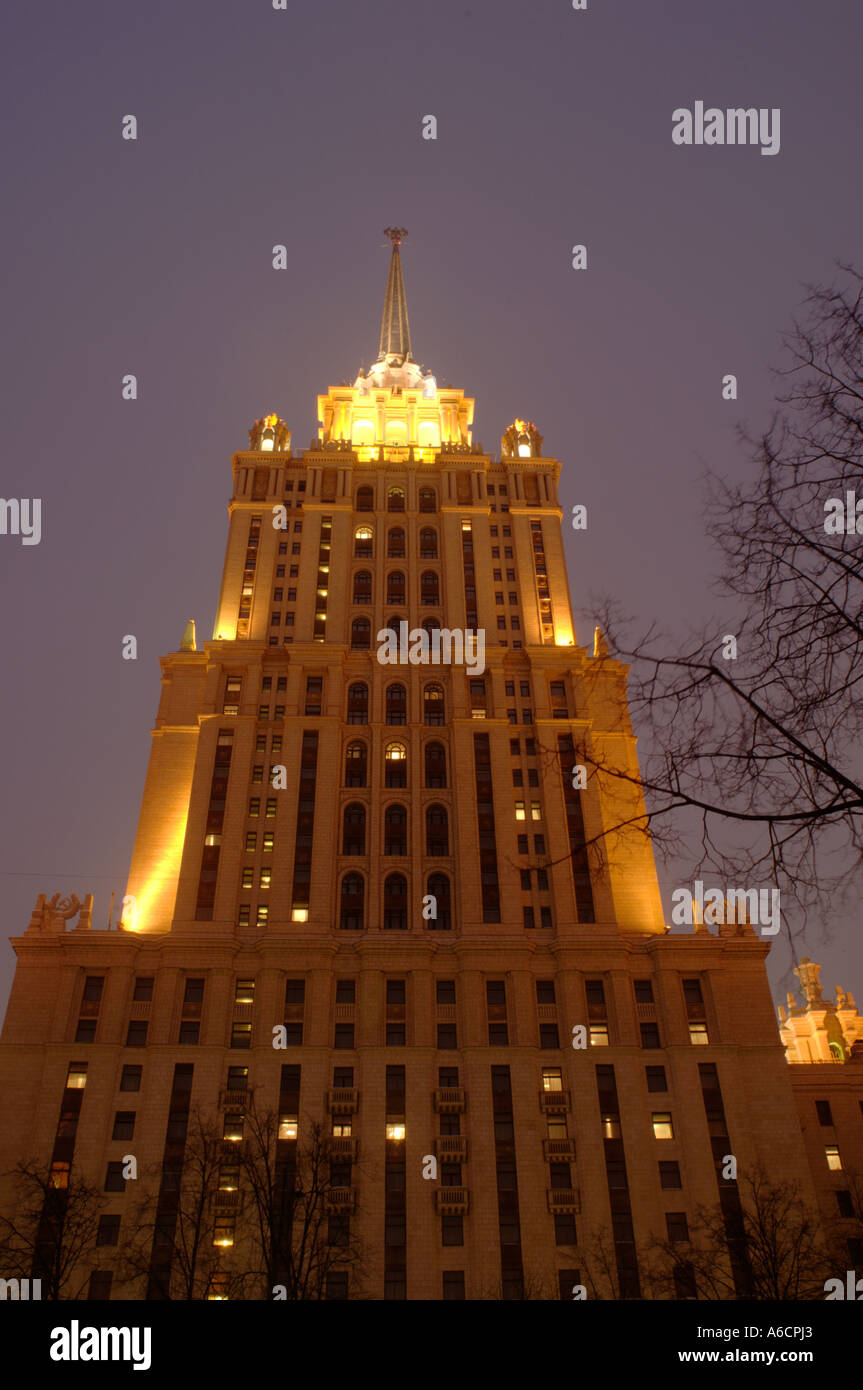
(304, 127)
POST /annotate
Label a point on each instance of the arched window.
(396, 543)
(363, 543)
(354, 829)
(353, 899)
(395, 830)
(397, 704)
(396, 499)
(361, 635)
(428, 544)
(358, 703)
(429, 588)
(428, 499)
(433, 705)
(356, 762)
(395, 903)
(437, 887)
(393, 626)
(363, 586)
(431, 625)
(396, 587)
(365, 499)
(435, 765)
(396, 765)
(437, 831)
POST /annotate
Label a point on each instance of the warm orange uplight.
(270, 421)
(520, 425)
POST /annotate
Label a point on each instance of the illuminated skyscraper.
(402, 862)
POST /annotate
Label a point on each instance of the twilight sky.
(304, 127)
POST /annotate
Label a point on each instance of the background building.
(403, 867)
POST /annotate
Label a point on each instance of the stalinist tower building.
(387, 888)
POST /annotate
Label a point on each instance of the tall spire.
(395, 332)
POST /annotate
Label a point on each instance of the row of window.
(396, 543)
(365, 499)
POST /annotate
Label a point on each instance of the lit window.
(535, 811)
(233, 1131)
(229, 1177)
(300, 914)
(834, 1161)
(598, 1035)
(519, 810)
(698, 1034)
(551, 1079)
(396, 1131)
(76, 1077)
(610, 1127)
(223, 1231)
(288, 1126)
(662, 1127)
(342, 1128)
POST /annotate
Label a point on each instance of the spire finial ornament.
(395, 345)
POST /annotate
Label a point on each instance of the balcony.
(451, 1201)
(645, 1011)
(243, 1013)
(339, 1147)
(547, 1013)
(237, 1100)
(343, 1100)
(449, 1100)
(563, 1199)
(341, 1198)
(559, 1150)
(451, 1148)
(227, 1201)
(553, 1102)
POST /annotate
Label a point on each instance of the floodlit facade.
(372, 834)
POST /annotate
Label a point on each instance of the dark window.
(844, 1202)
(445, 991)
(346, 991)
(650, 1035)
(354, 829)
(644, 991)
(825, 1116)
(452, 1230)
(676, 1225)
(446, 1036)
(564, 1229)
(435, 765)
(93, 988)
(114, 1180)
(548, 1035)
(86, 1030)
(669, 1174)
(136, 1033)
(131, 1079)
(124, 1125)
(344, 1035)
(355, 765)
(109, 1230)
(189, 1033)
(656, 1078)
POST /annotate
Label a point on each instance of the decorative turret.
(521, 440)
